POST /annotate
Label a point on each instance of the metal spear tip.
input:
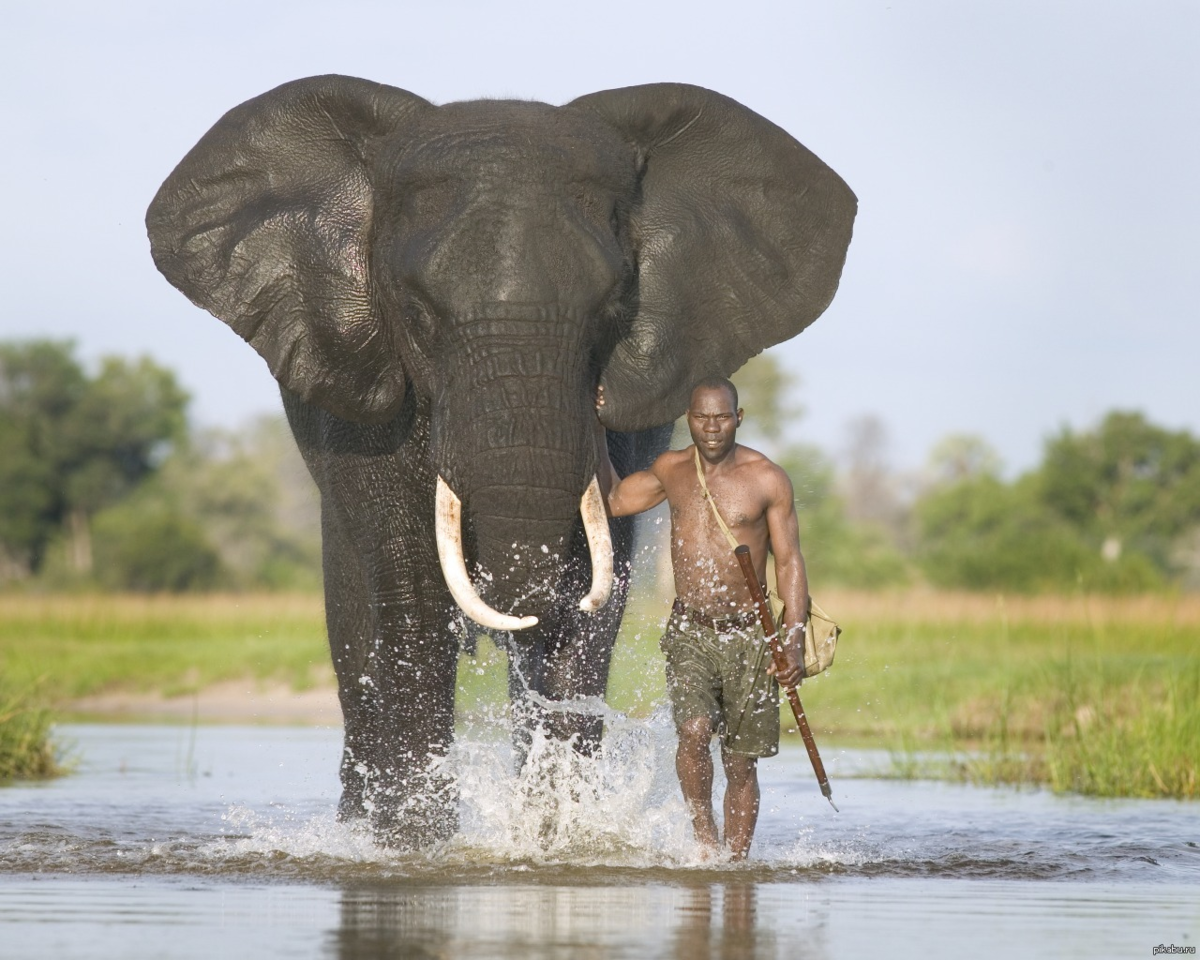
(827, 793)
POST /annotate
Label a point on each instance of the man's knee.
(696, 732)
(739, 769)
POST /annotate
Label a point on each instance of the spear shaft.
(742, 552)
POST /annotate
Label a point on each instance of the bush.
(837, 551)
(153, 550)
(982, 534)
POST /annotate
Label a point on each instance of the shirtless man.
(719, 669)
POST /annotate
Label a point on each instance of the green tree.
(980, 533)
(152, 548)
(234, 509)
(1126, 486)
(40, 387)
(836, 549)
(962, 456)
(766, 391)
(74, 444)
(1103, 510)
(253, 495)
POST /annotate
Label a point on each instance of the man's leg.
(741, 802)
(693, 764)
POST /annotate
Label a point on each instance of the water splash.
(618, 807)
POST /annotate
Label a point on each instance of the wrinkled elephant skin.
(438, 291)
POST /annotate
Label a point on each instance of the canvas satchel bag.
(821, 632)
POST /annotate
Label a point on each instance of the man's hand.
(792, 641)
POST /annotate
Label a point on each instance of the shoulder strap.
(711, 502)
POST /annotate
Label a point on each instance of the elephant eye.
(419, 319)
(593, 208)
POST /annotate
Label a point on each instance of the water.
(221, 841)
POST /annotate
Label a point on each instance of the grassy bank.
(27, 749)
(1099, 695)
(85, 645)
(1088, 694)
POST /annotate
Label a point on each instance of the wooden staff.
(742, 552)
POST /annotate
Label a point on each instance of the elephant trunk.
(454, 568)
(518, 505)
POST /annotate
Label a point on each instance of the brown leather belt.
(735, 621)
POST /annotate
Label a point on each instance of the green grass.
(27, 748)
(1139, 739)
(1090, 695)
(1095, 695)
(90, 644)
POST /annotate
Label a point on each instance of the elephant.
(440, 290)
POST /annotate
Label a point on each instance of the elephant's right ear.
(266, 223)
(741, 233)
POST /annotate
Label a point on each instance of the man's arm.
(637, 492)
(790, 574)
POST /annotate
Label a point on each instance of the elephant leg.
(577, 662)
(349, 617)
(396, 663)
(568, 657)
(387, 611)
(408, 691)
(526, 676)
(569, 660)
(576, 665)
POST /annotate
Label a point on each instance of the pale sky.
(1025, 254)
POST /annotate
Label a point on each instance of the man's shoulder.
(755, 460)
(672, 459)
(761, 467)
(673, 469)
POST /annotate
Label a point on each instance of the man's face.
(713, 422)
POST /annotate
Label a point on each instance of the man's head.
(713, 417)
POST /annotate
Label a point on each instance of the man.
(719, 670)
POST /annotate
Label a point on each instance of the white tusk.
(448, 529)
(595, 525)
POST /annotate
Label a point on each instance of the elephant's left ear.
(266, 223)
(741, 234)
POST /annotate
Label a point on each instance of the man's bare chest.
(739, 504)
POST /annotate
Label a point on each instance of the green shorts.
(723, 676)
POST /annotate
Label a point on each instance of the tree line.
(1112, 509)
(105, 484)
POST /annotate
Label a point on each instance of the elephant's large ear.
(741, 235)
(266, 224)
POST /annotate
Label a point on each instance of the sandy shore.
(232, 701)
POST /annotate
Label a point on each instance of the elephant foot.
(407, 820)
(404, 809)
(584, 733)
(410, 831)
(350, 806)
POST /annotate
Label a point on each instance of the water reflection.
(237, 853)
(734, 935)
(718, 920)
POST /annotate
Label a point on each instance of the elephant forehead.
(521, 141)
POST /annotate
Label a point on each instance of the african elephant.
(439, 290)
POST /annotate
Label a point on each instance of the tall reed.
(27, 749)
(1138, 740)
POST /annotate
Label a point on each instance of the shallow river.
(221, 842)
